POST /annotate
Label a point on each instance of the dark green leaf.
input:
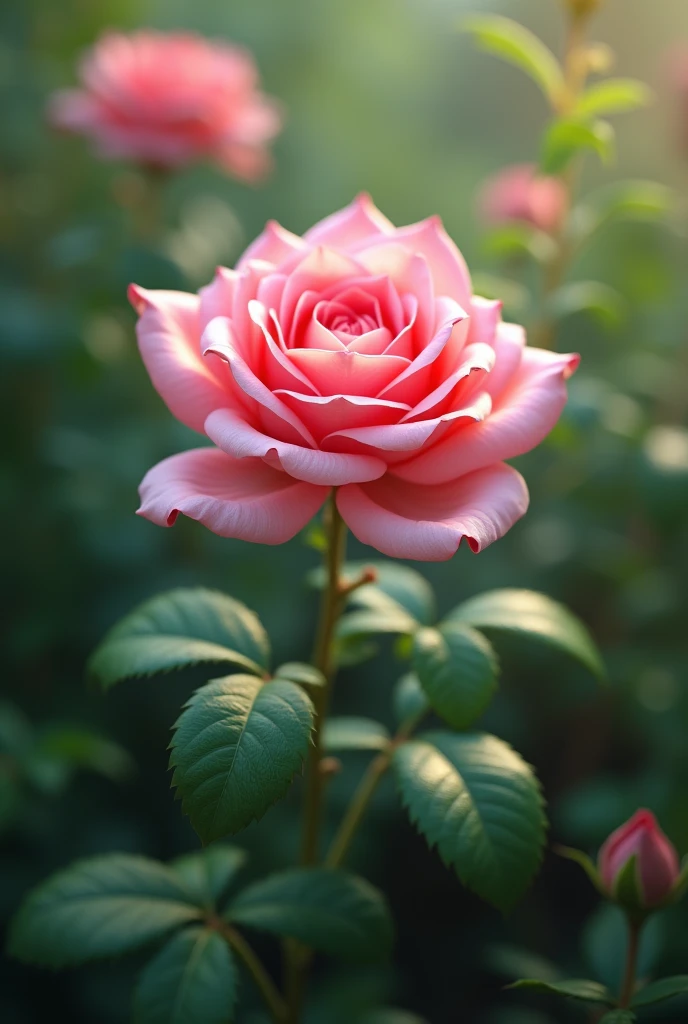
(658, 991)
(206, 874)
(192, 980)
(85, 749)
(97, 908)
(235, 749)
(567, 138)
(330, 911)
(586, 991)
(613, 96)
(618, 1017)
(390, 1016)
(457, 668)
(350, 733)
(372, 621)
(529, 614)
(410, 701)
(394, 583)
(16, 731)
(304, 675)
(515, 44)
(627, 889)
(474, 798)
(179, 629)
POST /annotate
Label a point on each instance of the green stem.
(555, 268)
(366, 790)
(629, 982)
(298, 957)
(264, 983)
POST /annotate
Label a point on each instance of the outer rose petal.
(274, 245)
(168, 333)
(429, 523)
(240, 498)
(450, 274)
(357, 221)
(240, 440)
(524, 416)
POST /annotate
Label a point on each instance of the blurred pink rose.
(657, 860)
(678, 76)
(519, 193)
(355, 357)
(165, 100)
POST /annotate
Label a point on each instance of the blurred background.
(387, 96)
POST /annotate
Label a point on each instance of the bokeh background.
(387, 96)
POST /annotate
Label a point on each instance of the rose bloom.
(354, 358)
(164, 100)
(657, 860)
(520, 194)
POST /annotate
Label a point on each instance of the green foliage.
(298, 672)
(399, 584)
(179, 629)
(457, 668)
(235, 748)
(568, 137)
(207, 874)
(659, 991)
(599, 301)
(474, 798)
(528, 614)
(192, 980)
(99, 908)
(330, 911)
(515, 44)
(583, 861)
(627, 889)
(618, 1017)
(585, 991)
(391, 1016)
(621, 201)
(409, 698)
(605, 944)
(613, 96)
(351, 733)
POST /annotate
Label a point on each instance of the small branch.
(264, 983)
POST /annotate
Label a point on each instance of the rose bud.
(657, 865)
(519, 194)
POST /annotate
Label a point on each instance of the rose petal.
(429, 523)
(321, 269)
(476, 363)
(236, 437)
(219, 338)
(410, 274)
(486, 315)
(217, 298)
(524, 416)
(432, 361)
(360, 220)
(450, 274)
(274, 245)
(242, 498)
(509, 343)
(278, 371)
(169, 342)
(347, 372)
(330, 413)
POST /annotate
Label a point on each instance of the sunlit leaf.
(235, 749)
(474, 798)
(529, 614)
(583, 990)
(515, 44)
(457, 668)
(568, 137)
(350, 733)
(613, 96)
(179, 629)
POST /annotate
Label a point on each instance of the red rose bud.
(657, 865)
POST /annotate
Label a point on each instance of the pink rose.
(519, 193)
(355, 357)
(167, 99)
(657, 860)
